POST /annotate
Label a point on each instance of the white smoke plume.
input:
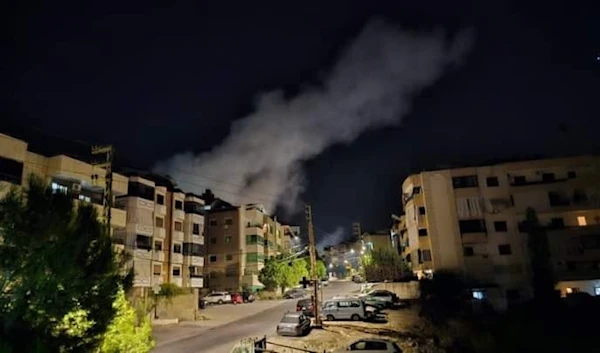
(371, 86)
(333, 238)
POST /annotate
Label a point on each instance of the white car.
(374, 346)
(217, 298)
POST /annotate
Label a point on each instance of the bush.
(128, 332)
(268, 295)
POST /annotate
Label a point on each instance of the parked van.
(347, 309)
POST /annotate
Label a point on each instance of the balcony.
(178, 214)
(197, 282)
(158, 256)
(177, 281)
(178, 236)
(160, 210)
(197, 260)
(159, 233)
(157, 280)
(474, 238)
(254, 229)
(176, 258)
(142, 254)
(118, 216)
(198, 239)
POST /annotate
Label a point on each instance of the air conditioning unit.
(76, 188)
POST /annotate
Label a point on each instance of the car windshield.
(289, 320)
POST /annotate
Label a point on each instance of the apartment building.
(164, 232)
(240, 238)
(378, 240)
(65, 174)
(471, 220)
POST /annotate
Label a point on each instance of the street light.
(352, 251)
(330, 265)
(362, 252)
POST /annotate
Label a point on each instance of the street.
(222, 339)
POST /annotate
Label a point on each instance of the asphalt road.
(222, 339)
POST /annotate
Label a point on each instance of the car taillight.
(298, 308)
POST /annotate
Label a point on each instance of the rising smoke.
(333, 238)
(371, 86)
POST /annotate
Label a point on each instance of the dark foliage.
(55, 259)
(443, 297)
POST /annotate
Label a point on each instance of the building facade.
(63, 173)
(240, 238)
(471, 220)
(164, 232)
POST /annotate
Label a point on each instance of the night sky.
(160, 80)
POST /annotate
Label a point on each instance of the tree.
(542, 279)
(128, 332)
(321, 269)
(271, 276)
(384, 264)
(443, 297)
(57, 268)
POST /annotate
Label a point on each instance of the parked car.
(349, 309)
(237, 298)
(357, 279)
(217, 298)
(325, 281)
(248, 296)
(374, 345)
(390, 299)
(372, 301)
(294, 293)
(293, 324)
(306, 307)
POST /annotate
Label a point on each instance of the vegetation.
(282, 274)
(129, 331)
(59, 275)
(383, 264)
(165, 295)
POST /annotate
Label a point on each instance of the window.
(504, 249)
(212, 222)
(159, 222)
(160, 199)
(228, 257)
(158, 246)
(597, 291)
(557, 223)
(472, 226)
(478, 294)
(581, 221)
(228, 221)
(58, 188)
(512, 294)
(500, 226)
(212, 258)
(572, 290)
(468, 251)
(213, 240)
(11, 171)
(140, 190)
(196, 228)
(519, 180)
(228, 239)
(492, 181)
(177, 248)
(422, 211)
(426, 255)
(178, 226)
(176, 271)
(157, 270)
(548, 177)
(255, 257)
(193, 249)
(422, 232)
(143, 242)
(571, 175)
(416, 190)
(468, 181)
(179, 205)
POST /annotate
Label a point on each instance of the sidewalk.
(216, 316)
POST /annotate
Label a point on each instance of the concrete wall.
(183, 307)
(404, 290)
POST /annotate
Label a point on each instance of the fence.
(261, 345)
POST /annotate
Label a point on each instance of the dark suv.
(306, 307)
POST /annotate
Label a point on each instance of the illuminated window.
(581, 221)
(479, 295)
(597, 291)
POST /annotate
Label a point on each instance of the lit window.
(479, 295)
(597, 290)
(581, 221)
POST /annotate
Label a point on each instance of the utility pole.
(313, 265)
(107, 151)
